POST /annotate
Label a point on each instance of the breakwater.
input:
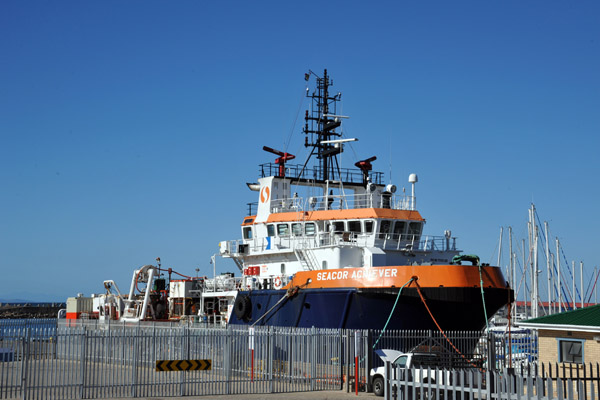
(29, 310)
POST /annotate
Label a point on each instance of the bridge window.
(297, 229)
(309, 229)
(283, 229)
(399, 229)
(338, 226)
(247, 232)
(384, 228)
(271, 230)
(354, 226)
(414, 228)
(369, 226)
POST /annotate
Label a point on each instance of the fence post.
(347, 360)
(134, 362)
(368, 360)
(387, 382)
(83, 363)
(271, 351)
(313, 363)
(341, 357)
(227, 360)
(24, 361)
(182, 357)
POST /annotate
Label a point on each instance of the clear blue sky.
(129, 128)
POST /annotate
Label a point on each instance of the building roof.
(584, 319)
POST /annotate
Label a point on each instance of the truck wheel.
(378, 386)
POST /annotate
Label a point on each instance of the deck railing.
(405, 242)
(342, 202)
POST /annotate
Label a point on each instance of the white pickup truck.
(406, 361)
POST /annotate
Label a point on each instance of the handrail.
(404, 242)
(342, 202)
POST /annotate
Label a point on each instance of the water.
(33, 327)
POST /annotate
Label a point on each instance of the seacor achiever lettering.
(366, 273)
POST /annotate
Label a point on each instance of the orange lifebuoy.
(277, 282)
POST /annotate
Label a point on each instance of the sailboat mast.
(548, 268)
(558, 275)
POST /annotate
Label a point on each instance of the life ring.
(277, 282)
(242, 306)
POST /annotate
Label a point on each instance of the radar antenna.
(283, 158)
(365, 166)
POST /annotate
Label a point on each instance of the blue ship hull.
(353, 308)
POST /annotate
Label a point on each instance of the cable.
(482, 296)
(289, 139)
(414, 279)
(392, 312)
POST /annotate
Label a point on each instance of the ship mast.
(320, 125)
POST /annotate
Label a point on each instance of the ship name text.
(367, 273)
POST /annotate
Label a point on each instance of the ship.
(324, 246)
(350, 252)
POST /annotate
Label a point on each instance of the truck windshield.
(401, 361)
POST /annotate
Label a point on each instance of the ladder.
(307, 259)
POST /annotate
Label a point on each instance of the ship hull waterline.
(346, 299)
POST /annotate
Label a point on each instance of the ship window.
(283, 229)
(297, 229)
(309, 229)
(271, 230)
(282, 268)
(570, 351)
(247, 232)
(384, 228)
(369, 226)
(338, 226)
(414, 228)
(354, 226)
(399, 229)
(324, 264)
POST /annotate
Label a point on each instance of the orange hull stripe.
(382, 277)
(356, 213)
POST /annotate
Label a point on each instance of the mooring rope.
(392, 312)
(292, 290)
(483, 297)
(414, 279)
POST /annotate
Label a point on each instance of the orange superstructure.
(397, 276)
(341, 214)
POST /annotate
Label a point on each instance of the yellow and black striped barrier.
(183, 365)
